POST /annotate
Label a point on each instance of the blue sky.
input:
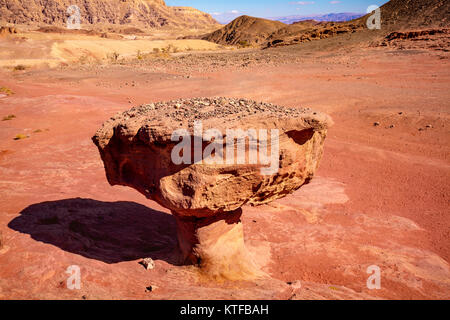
(274, 8)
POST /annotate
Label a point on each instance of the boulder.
(204, 159)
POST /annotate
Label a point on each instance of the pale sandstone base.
(216, 245)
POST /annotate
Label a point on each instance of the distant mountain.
(245, 30)
(137, 13)
(336, 17)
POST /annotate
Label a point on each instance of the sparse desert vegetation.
(20, 67)
(21, 136)
(113, 57)
(6, 91)
(9, 117)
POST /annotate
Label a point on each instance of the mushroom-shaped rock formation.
(204, 159)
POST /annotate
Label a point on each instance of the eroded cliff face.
(140, 13)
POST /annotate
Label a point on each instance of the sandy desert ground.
(38, 49)
(380, 197)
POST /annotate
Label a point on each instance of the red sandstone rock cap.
(137, 148)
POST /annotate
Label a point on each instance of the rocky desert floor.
(380, 197)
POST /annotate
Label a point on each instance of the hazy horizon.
(226, 11)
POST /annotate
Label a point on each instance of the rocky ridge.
(138, 13)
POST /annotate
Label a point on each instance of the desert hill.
(415, 13)
(138, 13)
(395, 15)
(296, 27)
(266, 33)
(245, 29)
(308, 30)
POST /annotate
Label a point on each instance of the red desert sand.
(380, 196)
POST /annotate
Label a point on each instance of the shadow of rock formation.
(111, 232)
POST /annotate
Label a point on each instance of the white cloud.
(222, 13)
(335, 2)
(303, 3)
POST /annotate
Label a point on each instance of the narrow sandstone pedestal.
(216, 245)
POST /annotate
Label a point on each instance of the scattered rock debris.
(295, 284)
(148, 263)
(151, 288)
